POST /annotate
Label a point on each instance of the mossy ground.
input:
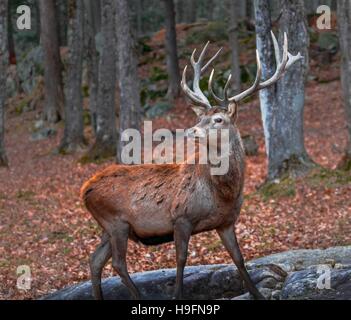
(318, 177)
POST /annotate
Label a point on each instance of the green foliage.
(155, 86)
(85, 90)
(329, 178)
(143, 47)
(21, 106)
(157, 109)
(328, 41)
(25, 194)
(285, 188)
(86, 117)
(214, 31)
(158, 74)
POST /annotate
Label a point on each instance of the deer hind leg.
(98, 260)
(182, 233)
(230, 242)
(119, 243)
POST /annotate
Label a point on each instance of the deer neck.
(230, 184)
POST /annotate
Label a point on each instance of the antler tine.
(282, 65)
(192, 95)
(226, 87)
(292, 59)
(276, 47)
(196, 95)
(224, 101)
(211, 91)
(255, 85)
(211, 60)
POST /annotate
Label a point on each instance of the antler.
(282, 65)
(196, 95)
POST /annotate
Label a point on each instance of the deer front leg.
(182, 233)
(119, 243)
(230, 242)
(98, 260)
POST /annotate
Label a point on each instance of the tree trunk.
(171, 51)
(73, 134)
(130, 109)
(191, 9)
(54, 98)
(344, 28)
(93, 26)
(282, 105)
(11, 43)
(234, 43)
(106, 135)
(62, 21)
(4, 59)
(179, 6)
(139, 13)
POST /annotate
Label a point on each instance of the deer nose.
(195, 132)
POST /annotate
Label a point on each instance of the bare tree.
(53, 90)
(130, 109)
(73, 137)
(191, 11)
(180, 6)
(3, 70)
(282, 105)
(106, 135)
(171, 50)
(344, 27)
(234, 43)
(92, 28)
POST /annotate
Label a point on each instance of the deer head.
(224, 114)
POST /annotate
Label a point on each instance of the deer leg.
(98, 260)
(119, 243)
(182, 233)
(230, 242)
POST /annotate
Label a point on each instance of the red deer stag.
(158, 203)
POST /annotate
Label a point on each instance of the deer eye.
(218, 120)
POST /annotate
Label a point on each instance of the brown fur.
(158, 203)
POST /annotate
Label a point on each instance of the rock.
(158, 110)
(276, 295)
(302, 285)
(30, 68)
(200, 282)
(267, 293)
(328, 41)
(268, 283)
(286, 275)
(39, 124)
(12, 85)
(43, 134)
(250, 145)
(305, 258)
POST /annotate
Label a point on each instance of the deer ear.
(199, 110)
(233, 111)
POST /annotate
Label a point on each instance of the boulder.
(310, 285)
(43, 134)
(30, 68)
(288, 275)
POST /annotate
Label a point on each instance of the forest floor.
(44, 224)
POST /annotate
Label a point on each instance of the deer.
(159, 203)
